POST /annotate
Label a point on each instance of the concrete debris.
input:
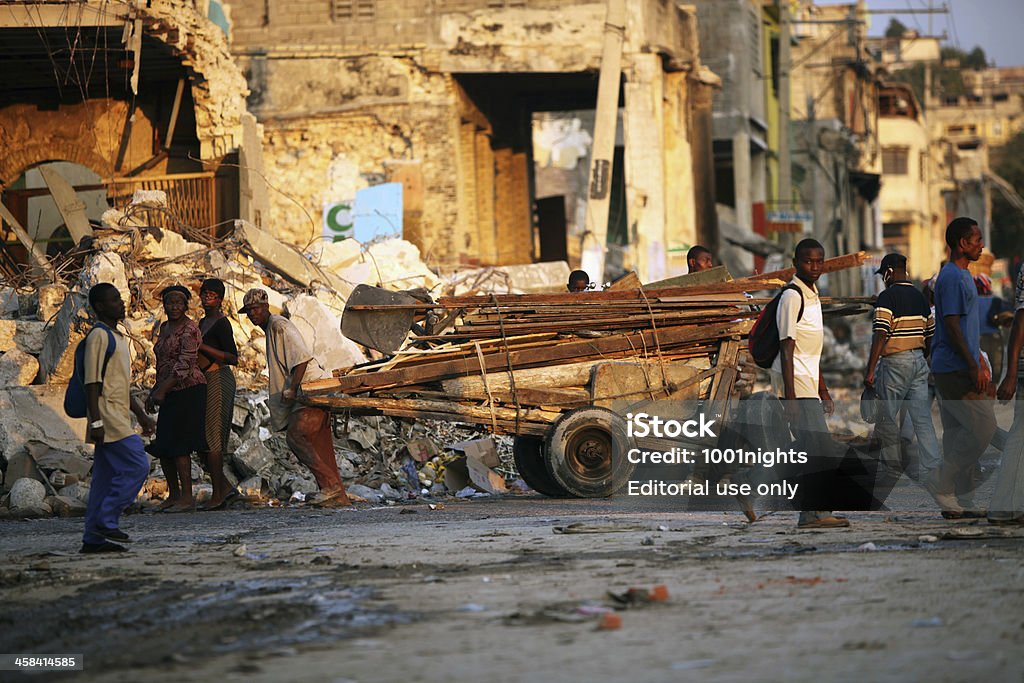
(64, 506)
(381, 459)
(53, 460)
(17, 369)
(29, 335)
(322, 328)
(27, 494)
(79, 492)
(49, 300)
(8, 302)
(106, 266)
(365, 492)
(252, 458)
(56, 360)
(8, 335)
(397, 265)
(532, 278)
(164, 244)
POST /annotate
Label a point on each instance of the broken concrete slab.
(160, 244)
(27, 493)
(19, 466)
(106, 266)
(8, 335)
(252, 458)
(55, 460)
(56, 361)
(49, 300)
(336, 256)
(69, 204)
(17, 369)
(397, 265)
(8, 302)
(79, 492)
(322, 331)
(531, 278)
(29, 335)
(36, 413)
(65, 506)
(287, 261)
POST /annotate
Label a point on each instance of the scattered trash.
(588, 528)
(928, 538)
(693, 664)
(240, 551)
(867, 547)
(640, 596)
(931, 622)
(593, 610)
(648, 540)
(298, 497)
(472, 607)
(609, 622)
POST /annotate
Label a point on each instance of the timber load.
(517, 363)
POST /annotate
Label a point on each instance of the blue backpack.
(75, 403)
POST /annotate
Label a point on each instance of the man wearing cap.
(308, 429)
(898, 365)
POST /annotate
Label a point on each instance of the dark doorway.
(551, 226)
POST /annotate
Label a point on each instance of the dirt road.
(485, 590)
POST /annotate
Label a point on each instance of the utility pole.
(603, 151)
(785, 65)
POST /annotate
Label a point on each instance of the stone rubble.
(43, 451)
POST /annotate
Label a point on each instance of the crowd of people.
(194, 386)
(919, 349)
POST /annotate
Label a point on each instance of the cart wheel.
(586, 452)
(528, 452)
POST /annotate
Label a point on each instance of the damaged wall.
(79, 116)
(343, 98)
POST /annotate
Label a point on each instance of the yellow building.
(912, 223)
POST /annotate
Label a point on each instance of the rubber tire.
(528, 453)
(595, 421)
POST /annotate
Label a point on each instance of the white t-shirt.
(809, 335)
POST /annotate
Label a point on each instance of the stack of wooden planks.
(516, 363)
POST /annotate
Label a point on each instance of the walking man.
(796, 374)
(1007, 507)
(308, 429)
(120, 464)
(961, 378)
(898, 366)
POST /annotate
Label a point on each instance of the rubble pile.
(41, 324)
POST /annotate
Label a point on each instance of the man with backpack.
(120, 464)
(796, 375)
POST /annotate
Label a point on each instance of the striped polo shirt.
(903, 315)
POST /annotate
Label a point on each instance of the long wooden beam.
(635, 343)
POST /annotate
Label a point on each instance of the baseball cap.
(253, 297)
(892, 261)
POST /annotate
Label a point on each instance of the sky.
(995, 25)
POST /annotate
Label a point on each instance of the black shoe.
(115, 535)
(105, 547)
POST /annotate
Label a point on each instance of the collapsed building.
(443, 97)
(126, 156)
